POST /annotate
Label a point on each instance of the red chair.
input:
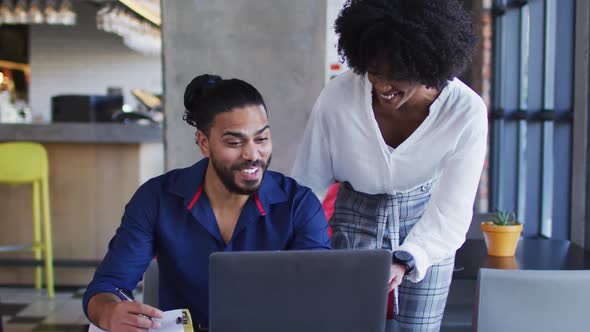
(328, 203)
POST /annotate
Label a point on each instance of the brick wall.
(482, 204)
(480, 79)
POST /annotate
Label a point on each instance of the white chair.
(151, 280)
(532, 300)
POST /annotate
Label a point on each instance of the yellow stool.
(22, 163)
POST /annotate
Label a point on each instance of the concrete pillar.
(276, 45)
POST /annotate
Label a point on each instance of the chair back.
(151, 282)
(22, 162)
(532, 300)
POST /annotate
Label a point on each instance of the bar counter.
(81, 133)
(94, 168)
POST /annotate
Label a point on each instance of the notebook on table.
(178, 320)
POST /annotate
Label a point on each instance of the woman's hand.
(396, 275)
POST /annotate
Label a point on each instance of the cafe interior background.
(99, 84)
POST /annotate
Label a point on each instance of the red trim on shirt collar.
(258, 204)
(195, 198)
(200, 191)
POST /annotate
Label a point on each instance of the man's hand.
(132, 316)
(108, 312)
(396, 275)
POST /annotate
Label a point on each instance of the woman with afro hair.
(406, 140)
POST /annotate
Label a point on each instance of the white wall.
(333, 8)
(84, 60)
(278, 46)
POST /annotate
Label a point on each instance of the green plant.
(504, 218)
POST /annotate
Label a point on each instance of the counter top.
(70, 132)
(531, 254)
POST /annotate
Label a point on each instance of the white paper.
(168, 323)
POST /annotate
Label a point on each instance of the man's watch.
(404, 258)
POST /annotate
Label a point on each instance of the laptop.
(303, 291)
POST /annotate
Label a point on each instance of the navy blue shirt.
(171, 217)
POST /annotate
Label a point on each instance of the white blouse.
(342, 142)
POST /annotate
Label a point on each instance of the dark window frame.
(531, 114)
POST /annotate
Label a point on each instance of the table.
(531, 254)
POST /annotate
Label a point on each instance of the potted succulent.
(501, 234)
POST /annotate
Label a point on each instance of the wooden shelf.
(145, 11)
(15, 66)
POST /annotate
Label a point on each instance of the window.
(531, 115)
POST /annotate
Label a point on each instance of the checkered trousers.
(363, 221)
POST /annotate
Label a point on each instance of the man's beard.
(227, 175)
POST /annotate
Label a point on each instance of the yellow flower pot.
(501, 241)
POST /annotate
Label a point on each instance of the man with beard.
(227, 201)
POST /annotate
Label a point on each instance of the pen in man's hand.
(124, 294)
